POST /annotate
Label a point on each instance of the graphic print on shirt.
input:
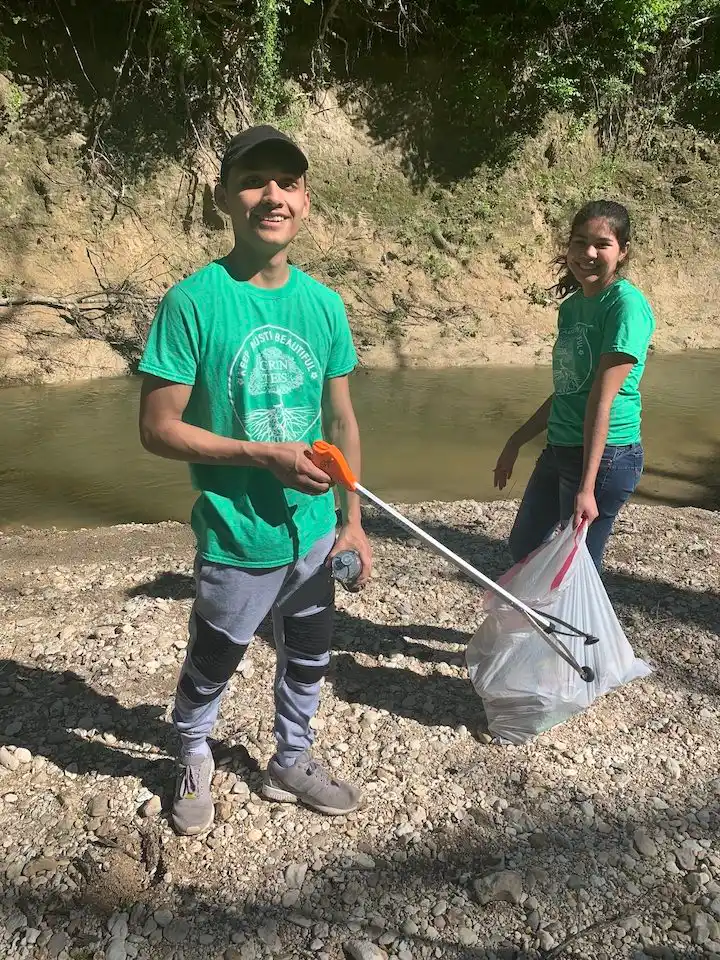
(572, 360)
(275, 386)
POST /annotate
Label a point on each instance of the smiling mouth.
(271, 218)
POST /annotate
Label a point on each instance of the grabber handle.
(328, 458)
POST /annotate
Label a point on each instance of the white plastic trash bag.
(525, 686)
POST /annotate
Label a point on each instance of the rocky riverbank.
(598, 840)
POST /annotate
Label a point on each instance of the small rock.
(547, 941)
(503, 887)
(241, 790)
(410, 928)
(57, 944)
(363, 950)
(176, 931)
(119, 927)
(700, 928)
(152, 807)
(8, 760)
(22, 755)
(645, 846)
(673, 768)
(295, 875)
(686, 859)
(223, 811)
(163, 916)
(695, 881)
(115, 950)
(15, 921)
(300, 920)
(467, 936)
(98, 807)
(363, 861)
(40, 865)
(269, 936)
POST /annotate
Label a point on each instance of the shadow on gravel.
(443, 864)
(434, 700)
(46, 707)
(655, 598)
(169, 585)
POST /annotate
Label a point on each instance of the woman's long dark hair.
(618, 218)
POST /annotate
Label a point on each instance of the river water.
(70, 455)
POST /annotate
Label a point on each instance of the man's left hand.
(353, 537)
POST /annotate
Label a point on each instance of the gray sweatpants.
(230, 605)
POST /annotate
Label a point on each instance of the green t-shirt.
(616, 320)
(257, 361)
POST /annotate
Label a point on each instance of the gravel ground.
(599, 839)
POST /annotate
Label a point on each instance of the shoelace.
(314, 768)
(190, 780)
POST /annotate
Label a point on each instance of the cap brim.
(283, 146)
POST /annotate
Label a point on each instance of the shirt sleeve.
(172, 350)
(343, 357)
(629, 327)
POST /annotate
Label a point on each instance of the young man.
(246, 360)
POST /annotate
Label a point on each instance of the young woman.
(594, 457)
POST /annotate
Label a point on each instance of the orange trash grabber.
(329, 459)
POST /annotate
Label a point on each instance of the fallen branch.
(89, 301)
(606, 921)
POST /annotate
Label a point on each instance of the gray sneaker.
(312, 785)
(193, 811)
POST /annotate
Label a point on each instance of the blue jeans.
(550, 496)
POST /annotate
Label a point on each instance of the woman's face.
(594, 255)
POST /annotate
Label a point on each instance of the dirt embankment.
(598, 840)
(432, 276)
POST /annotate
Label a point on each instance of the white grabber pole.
(329, 459)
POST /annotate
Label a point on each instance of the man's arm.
(341, 429)
(610, 376)
(164, 433)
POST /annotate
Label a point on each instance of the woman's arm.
(610, 376)
(536, 424)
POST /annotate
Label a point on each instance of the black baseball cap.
(254, 137)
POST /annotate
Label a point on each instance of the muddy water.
(69, 455)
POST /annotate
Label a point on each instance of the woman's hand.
(506, 464)
(585, 508)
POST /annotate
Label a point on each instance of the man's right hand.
(291, 464)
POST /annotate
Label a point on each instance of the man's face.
(265, 200)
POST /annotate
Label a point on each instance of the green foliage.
(455, 85)
(182, 32)
(268, 91)
(14, 101)
(4, 53)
